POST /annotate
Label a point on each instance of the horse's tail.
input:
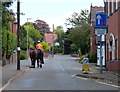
(33, 54)
(40, 53)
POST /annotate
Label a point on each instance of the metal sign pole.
(101, 54)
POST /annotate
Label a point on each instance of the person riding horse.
(39, 55)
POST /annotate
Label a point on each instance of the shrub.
(23, 55)
(92, 57)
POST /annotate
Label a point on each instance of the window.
(116, 4)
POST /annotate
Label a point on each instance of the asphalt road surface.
(57, 74)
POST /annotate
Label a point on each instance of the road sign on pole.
(101, 20)
(100, 31)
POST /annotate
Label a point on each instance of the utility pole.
(0, 31)
(53, 42)
(18, 34)
(27, 35)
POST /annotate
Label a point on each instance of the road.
(56, 74)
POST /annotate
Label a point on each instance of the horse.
(36, 55)
(33, 56)
(40, 59)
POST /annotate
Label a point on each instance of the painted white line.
(108, 84)
(61, 67)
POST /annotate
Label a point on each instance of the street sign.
(85, 60)
(101, 20)
(99, 31)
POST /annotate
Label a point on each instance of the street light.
(27, 35)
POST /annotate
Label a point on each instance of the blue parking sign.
(101, 20)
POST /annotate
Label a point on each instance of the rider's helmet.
(38, 41)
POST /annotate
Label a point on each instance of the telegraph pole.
(18, 34)
(0, 31)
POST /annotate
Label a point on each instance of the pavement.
(10, 73)
(110, 77)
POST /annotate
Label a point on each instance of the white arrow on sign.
(99, 17)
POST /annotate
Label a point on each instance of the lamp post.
(27, 35)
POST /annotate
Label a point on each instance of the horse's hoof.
(42, 62)
(40, 66)
(32, 67)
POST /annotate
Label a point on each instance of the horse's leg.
(37, 62)
(40, 65)
(41, 58)
(34, 62)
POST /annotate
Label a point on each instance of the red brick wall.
(113, 66)
(93, 47)
(13, 28)
(119, 33)
(114, 28)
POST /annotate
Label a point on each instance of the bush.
(23, 55)
(92, 57)
(81, 61)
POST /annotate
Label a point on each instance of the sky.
(52, 11)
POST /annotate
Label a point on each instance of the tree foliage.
(79, 34)
(7, 37)
(33, 35)
(60, 32)
(42, 26)
(45, 46)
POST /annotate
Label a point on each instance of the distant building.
(13, 25)
(49, 38)
(112, 9)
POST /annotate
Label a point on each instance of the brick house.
(112, 9)
(13, 30)
(49, 38)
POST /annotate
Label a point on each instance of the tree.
(45, 46)
(79, 34)
(78, 19)
(60, 32)
(34, 35)
(42, 26)
(7, 37)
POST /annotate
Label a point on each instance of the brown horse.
(36, 55)
(33, 56)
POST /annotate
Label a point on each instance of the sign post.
(101, 29)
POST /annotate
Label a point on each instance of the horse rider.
(40, 53)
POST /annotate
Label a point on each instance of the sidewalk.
(10, 71)
(110, 77)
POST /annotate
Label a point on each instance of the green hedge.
(23, 55)
(92, 57)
